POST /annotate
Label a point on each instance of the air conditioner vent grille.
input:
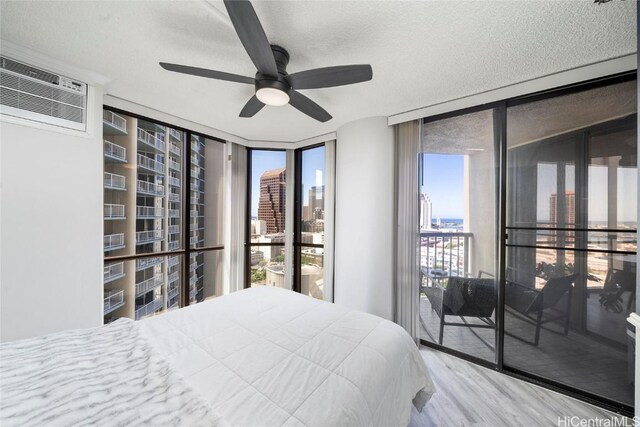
(36, 104)
(26, 70)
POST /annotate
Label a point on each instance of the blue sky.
(443, 182)
(312, 160)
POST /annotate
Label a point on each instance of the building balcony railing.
(174, 302)
(194, 266)
(149, 308)
(115, 152)
(114, 120)
(174, 213)
(149, 284)
(174, 148)
(197, 160)
(143, 263)
(197, 187)
(196, 146)
(113, 300)
(197, 200)
(174, 260)
(174, 197)
(192, 295)
(175, 133)
(149, 188)
(150, 140)
(174, 276)
(174, 245)
(114, 182)
(143, 237)
(144, 212)
(445, 253)
(174, 165)
(174, 181)
(194, 279)
(113, 241)
(149, 164)
(174, 229)
(196, 171)
(173, 293)
(112, 211)
(195, 213)
(195, 239)
(113, 272)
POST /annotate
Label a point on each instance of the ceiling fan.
(273, 85)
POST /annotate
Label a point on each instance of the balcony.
(149, 308)
(195, 239)
(195, 213)
(150, 189)
(174, 302)
(174, 165)
(194, 279)
(113, 272)
(174, 260)
(147, 163)
(175, 134)
(196, 146)
(174, 197)
(174, 148)
(113, 242)
(192, 295)
(150, 140)
(173, 293)
(174, 276)
(174, 229)
(194, 266)
(197, 160)
(445, 254)
(113, 124)
(197, 187)
(149, 284)
(174, 213)
(149, 236)
(143, 263)
(174, 245)
(114, 152)
(174, 181)
(112, 211)
(196, 172)
(197, 200)
(114, 182)
(149, 212)
(112, 301)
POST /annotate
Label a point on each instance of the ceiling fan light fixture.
(272, 96)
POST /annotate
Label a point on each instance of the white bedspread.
(270, 357)
(107, 376)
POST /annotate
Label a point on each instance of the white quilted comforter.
(271, 357)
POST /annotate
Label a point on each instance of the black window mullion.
(186, 224)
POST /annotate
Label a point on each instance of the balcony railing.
(112, 211)
(196, 146)
(143, 263)
(197, 187)
(174, 181)
(113, 300)
(113, 241)
(194, 279)
(149, 212)
(196, 200)
(174, 197)
(115, 151)
(194, 266)
(148, 284)
(175, 133)
(150, 164)
(150, 140)
(114, 182)
(174, 165)
(143, 237)
(174, 245)
(174, 303)
(192, 295)
(113, 272)
(195, 239)
(149, 308)
(174, 260)
(174, 229)
(174, 148)
(174, 213)
(150, 188)
(114, 120)
(195, 172)
(196, 160)
(445, 253)
(173, 293)
(174, 276)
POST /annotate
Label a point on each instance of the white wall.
(364, 216)
(51, 222)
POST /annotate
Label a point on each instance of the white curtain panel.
(234, 216)
(407, 254)
(329, 216)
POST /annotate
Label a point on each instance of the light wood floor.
(470, 395)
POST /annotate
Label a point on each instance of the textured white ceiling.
(421, 52)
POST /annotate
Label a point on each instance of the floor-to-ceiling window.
(538, 196)
(162, 216)
(308, 236)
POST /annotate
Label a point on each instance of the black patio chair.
(617, 283)
(530, 304)
(463, 297)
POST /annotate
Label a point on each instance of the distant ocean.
(455, 223)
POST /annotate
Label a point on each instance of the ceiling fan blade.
(203, 72)
(331, 76)
(255, 42)
(307, 106)
(251, 107)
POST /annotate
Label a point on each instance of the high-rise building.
(426, 212)
(569, 208)
(316, 202)
(271, 205)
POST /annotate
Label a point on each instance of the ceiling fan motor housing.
(278, 82)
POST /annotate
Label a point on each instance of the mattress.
(271, 357)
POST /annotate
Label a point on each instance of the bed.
(258, 357)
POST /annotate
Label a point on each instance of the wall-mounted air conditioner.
(38, 95)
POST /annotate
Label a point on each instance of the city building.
(426, 212)
(568, 205)
(271, 206)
